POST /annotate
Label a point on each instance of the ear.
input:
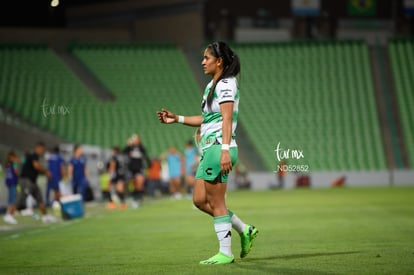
(219, 62)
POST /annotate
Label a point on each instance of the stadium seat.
(316, 97)
(143, 79)
(401, 52)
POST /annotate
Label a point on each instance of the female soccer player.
(137, 156)
(219, 149)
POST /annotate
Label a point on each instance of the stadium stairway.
(314, 97)
(144, 78)
(385, 96)
(401, 54)
(89, 80)
(32, 74)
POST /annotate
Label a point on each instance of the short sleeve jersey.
(11, 175)
(211, 127)
(137, 155)
(79, 165)
(28, 170)
(190, 159)
(55, 162)
(174, 165)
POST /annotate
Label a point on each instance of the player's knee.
(199, 202)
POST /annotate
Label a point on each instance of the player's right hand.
(166, 116)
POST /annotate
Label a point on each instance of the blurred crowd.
(131, 172)
(126, 176)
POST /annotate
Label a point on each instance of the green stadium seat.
(401, 54)
(314, 104)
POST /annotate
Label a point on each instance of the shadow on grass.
(300, 256)
(267, 265)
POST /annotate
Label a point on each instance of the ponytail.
(231, 63)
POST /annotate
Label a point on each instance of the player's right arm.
(169, 117)
(40, 169)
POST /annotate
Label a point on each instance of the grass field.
(325, 231)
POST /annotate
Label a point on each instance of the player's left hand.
(225, 162)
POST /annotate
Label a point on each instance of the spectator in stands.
(11, 167)
(174, 160)
(154, 177)
(137, 156)
(117, 177)
(56, 167)
(78, 172)
(191, 163)
(28, 181)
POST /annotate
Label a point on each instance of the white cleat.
(27, 212)
(10, 219)
(48, 219)
(135, 204)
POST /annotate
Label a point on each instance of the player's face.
(136, 140)
(40, 150)
(79, 151)
(210, 63)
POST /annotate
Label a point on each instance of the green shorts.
(209, 166)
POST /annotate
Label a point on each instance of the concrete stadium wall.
(267, 180)
(16, 137)
(184, 29)
(173, 21)
(62, 37)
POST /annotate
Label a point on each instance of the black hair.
(40, 144)
(231, 65)
(116, 149)
(9, 155)
(55, 149)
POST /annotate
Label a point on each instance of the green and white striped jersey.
(211, 128)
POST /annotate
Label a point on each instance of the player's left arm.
(226, 109)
